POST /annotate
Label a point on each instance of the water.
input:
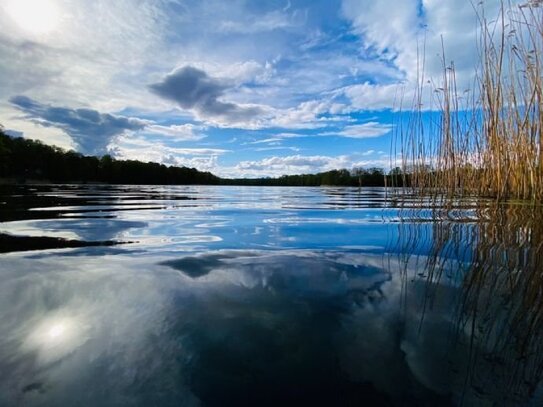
(218, 296)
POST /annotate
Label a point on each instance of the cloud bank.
(91, 130)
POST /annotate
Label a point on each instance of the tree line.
(24, 160)
(358, 177)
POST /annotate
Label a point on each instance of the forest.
(26, 160)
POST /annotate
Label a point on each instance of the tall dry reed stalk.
(485, 148)
(488, 143)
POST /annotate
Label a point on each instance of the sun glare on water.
(34, 16)
(55, 337)
(56, 331)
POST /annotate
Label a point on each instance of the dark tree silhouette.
(23, 159)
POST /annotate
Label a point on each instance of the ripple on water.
(199, 295)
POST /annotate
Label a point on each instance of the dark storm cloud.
(194, 89)
(91, 130)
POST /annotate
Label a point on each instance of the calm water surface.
(219, 296)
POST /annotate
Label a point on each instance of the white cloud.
(243, 72)
(276, 166)
(368, 96)
(295, 149)
(270, 141)
(303, 116)
(274, 20)
(208, 159)
(413, 34)
(88, 59)
(182, 132)
(135, 147)
(289, 135)
(365, 130)
(387, 27)
(294, 164)
(357, 131)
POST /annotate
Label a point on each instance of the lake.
(229, 296)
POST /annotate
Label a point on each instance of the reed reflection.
(494, 253)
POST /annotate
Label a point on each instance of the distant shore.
(26, 161)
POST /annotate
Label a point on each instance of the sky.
(238, 88)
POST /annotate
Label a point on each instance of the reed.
(487, 142)
(473, 206)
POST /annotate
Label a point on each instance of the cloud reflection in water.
(55, 337)
(223, 328)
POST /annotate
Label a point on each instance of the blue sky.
(239, 88)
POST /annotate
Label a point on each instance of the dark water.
(219, 296)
